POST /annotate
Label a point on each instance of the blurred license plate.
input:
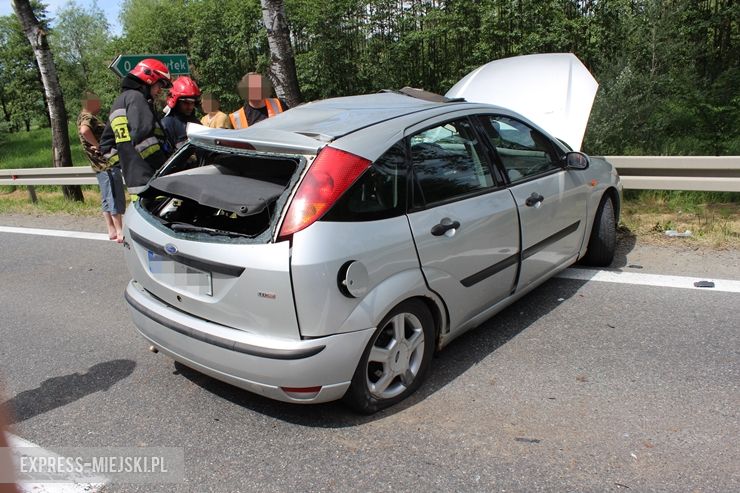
(180, 275)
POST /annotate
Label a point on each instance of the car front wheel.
(603, 241)
(396, 359)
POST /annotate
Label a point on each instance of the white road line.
(724, 285)
(55, 232)
(23, 448)
(660, 280)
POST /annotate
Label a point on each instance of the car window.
(524, 151)
(379, 193)
(447, 162)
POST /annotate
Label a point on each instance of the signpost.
(177, 64)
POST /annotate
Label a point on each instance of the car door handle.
(444, 226)
(534, 200)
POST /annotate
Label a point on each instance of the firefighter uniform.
(134, 136)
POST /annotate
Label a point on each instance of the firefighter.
(181, 101)
(258, 105)
(134, 136)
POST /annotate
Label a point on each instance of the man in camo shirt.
(90, 129)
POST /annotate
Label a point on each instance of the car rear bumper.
(257, 363)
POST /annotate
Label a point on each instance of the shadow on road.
(626, 241)
(451, 362)
(59, 391)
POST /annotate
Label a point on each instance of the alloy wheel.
(396, 356)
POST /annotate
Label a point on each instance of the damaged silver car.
(327, 252)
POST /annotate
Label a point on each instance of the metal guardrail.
(75, 175)
(700, 173)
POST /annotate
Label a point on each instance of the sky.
(111, 8)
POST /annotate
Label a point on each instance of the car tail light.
(330, 175)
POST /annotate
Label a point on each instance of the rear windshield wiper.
(191, 228)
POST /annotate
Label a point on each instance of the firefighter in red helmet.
(134, 137)
(181, 102)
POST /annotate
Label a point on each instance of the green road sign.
(177, 64)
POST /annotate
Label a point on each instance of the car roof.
(329, 119)
(307, 128)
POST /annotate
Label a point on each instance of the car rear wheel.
(603, 241)
(396, 359)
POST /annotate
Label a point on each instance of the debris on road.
(527, 440)
(675, 234)
(703, 284)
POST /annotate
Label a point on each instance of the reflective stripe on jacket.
(239, 117)
(133, 136)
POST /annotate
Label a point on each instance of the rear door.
(551, 200)
(464, 222)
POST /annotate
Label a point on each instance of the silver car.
(327, 252)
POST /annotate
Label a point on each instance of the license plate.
(180, 275)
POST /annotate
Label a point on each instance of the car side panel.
(474, 266)
(606, 177)
(553, 231)
(384, 247)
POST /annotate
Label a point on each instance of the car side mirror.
(576, 160)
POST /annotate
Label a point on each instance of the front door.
(551, 200)
(464, 223)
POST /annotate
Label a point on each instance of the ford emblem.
(170, 248)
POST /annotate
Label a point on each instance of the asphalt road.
(580, 386)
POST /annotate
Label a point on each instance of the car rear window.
(211, 194)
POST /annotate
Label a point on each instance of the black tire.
(378, 384)
(603, 241)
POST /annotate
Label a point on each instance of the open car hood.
(554, 90)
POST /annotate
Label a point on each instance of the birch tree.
(282, 63)
(57, 113)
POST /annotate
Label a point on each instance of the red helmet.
(149, 71)
(183, 88)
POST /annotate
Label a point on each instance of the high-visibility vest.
(239, 117)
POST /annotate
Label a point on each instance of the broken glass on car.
(220, 193)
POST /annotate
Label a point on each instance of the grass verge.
(713, 218)
(15, 200)
(33, 149)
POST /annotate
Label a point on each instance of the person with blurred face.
(90, 130)
(256, 90)
(181, 102)
(214, 117)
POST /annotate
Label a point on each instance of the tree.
(282, 63)
(80, 42)
(57, 113)
(228, 41)
(21, 94)
(157, 26)
(668, 69)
